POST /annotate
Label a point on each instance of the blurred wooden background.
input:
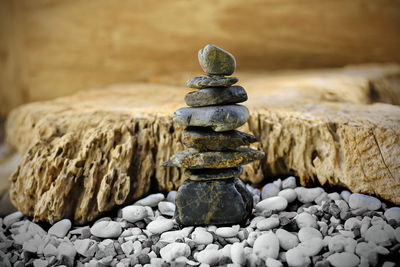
(50, 48)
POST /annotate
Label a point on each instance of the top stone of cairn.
(215, 60)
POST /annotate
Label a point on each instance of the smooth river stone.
(219, 118)
(216, 96)
(193, 159)
(215, 60)
(205, 81)
(218, 202)
(204, 139)
(210, 174)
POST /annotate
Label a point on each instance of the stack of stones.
(213, 194)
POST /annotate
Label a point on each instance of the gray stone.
(393, 214)
(204, 139)
(216, 96)
(106, 229)
(151, 200)
(361, 201)
(193, 159)
(343, 259)
(215, 60)
(219, 118)
(276, 203)
(266, 246)
(206, 81)
(12, 218)
(269, 190)
(287, 240)
(134, 213)
(212, 174)
(60, 228)
(174, 250)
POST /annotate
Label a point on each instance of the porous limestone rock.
(102, 148)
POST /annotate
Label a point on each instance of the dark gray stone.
(204, 139)
(215, 60)
(212, 174)
(219, 118)
(216, 96)
(193, 159)
(218, 202)
(205, 81)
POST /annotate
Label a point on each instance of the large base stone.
(218, 202)
(86, 154)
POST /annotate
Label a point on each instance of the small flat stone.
(296, 257)
(206, 81)
(287, 240)
(219, 118)
(216, 96)
(166, 208)
(339, 243)
(361, 201)
(174, 250)
(60, 228)
(268, 223)
(193, 159)
(215, 60)
(272, 204)
(344, 259)
(212, 174)
(305, 219)
(160, 226)
(12, 218)
(201, 236)
(311, 247)
(307, 233)
(195, 197)
(308, 195)
(106, 229)
(82, 246)
(134, 213)
(209, 256)
(289, 194)
(204, 139)
(393, 214)
(269, 190)
(151, 200)
(266, 246)
(227, 231)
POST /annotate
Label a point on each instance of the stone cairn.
(213, 194)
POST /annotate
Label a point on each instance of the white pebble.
(253, 237)
(12, 218)
(166, 208)
(289, 182)
(307, 233)
(311, 247)
(334, 196)
(172, 236)
(269, 190)
(286, 240)
(295, 257)
(351, 223)
(305, 219)
(308, 195)
(361, 201)
(268, 223)
(289, 194)
(66, 249)
(345, 194)
(266, 246)
(171, 196)
(227, 231)
(201, 236)
(209, 256)
(60, 228)
(397, 234)
(151, 200)
(160, 226)
(134, 213)
(272, 204)
(377, 235)
(393, 214)
(237, 253)
(174, 250)
(339, 243)
(344, 259)
(106, 229)
(127, 247)
(270, 262)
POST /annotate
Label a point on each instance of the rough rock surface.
(102, 148)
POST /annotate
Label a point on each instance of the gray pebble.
(216, 96)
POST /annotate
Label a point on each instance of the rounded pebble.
(308, 195)
(160, 226)
(393, 214)
(305, 219)
(377, 235)
(307, 233)
(289, 182)
(134, 213)
(361, 201)
(311, 247)
(266, 246)
(201, 236)
(227, 231)
(174, 250)
(289, 194)
(237, 253)
(209, 256)
(151, 200)
(268, 223)
(287, 240)
(344, 259)
(60, 228)
(295, 257)
(272, 204)
(269, 190)
(106, 229)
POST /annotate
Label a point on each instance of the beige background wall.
(50, 48)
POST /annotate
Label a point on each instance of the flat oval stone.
(106, 229)
(272, 204)
(204, 203)
(215, 60)
(216, 96)
(266, 246)
(206, 81)
(204, 139)
(192, 159)
(357, 201)
(393, 214)
(286, 240)
(219, 118)
(211, 174)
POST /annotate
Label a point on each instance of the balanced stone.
(205, 81)
(216, 202)
(193, 159)
(205, 139)
(219, 118)
(210, 174)
(216, 96)
(215, 60)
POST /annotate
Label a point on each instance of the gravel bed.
(291, 226)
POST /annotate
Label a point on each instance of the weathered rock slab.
(205, 81)
(216, 96)
(86, 154)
